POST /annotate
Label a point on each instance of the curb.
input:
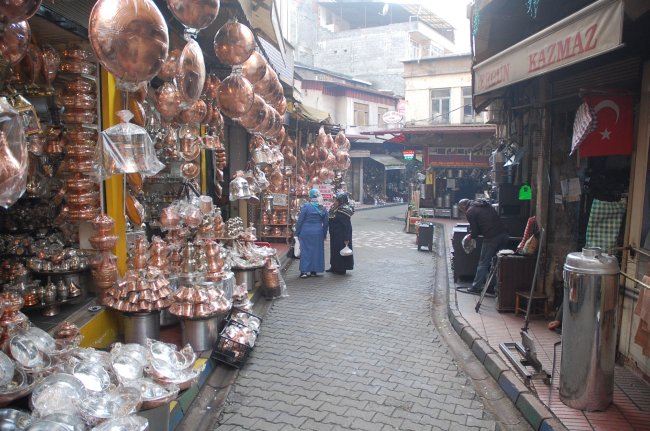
(380, 206)
(532, 409)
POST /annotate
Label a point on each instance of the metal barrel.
(589, 330)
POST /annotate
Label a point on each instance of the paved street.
(364, 351)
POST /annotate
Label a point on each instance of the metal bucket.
(589, 330)
(140, 326)
(201, 334)
(245, 276)
(447, 201)
(439, 202)
(167, 318)
(454, 211)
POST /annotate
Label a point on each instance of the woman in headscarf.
(311, 230)
(340, 227)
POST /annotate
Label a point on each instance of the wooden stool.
(526, 296)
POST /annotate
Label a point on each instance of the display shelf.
(41, 306)
(56, 273)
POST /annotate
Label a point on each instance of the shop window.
(361, 115)
(468, 109)
(440, 105)
(380, 116)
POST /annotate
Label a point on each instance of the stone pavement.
(364, 351)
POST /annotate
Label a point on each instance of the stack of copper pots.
(79, 101)
(201, 308)
(140, 291)
(199, 301)
(104, 264)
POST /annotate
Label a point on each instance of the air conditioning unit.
(495, 113)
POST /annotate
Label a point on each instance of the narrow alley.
(361, 351)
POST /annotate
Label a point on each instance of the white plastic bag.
(346, 251)
(296, 246)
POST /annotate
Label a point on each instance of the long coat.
(340, 228)
(311, 229)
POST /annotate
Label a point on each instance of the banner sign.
(458, 161)
(408, 154)
(592, 31)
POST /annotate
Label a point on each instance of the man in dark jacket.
(484, 221)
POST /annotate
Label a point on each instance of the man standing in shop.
(484, 221)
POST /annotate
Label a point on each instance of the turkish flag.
(614, 127)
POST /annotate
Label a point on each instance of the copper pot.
(17, 10)
(195, 113)
(168, 69)
(254, 68)
(14, 40)
(190, 73)
(197, 14)
(103, 243)
(103, 223)
(234, 43)
(190, 170)
(255, 115)
(132, 44)
(168, 100)
(235, 96)
(77, 54)
(79, 184)
(211, 86)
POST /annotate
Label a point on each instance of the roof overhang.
(390, 163)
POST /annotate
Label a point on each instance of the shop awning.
(594, 30)
(264, 20)
(311, 114)
(390, 163)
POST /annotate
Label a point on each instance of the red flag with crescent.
(613, 134)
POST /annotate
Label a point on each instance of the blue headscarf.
(314, 194)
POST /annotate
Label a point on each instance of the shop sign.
(392, 117)
(327, 191)
(408, 154)
(280, 199)
(594, 30)
(458, 161)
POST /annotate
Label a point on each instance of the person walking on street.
(484, 220)
(311, 230)
(340, 228)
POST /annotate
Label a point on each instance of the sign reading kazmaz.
(592, 31)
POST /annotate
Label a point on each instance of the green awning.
(390, 163)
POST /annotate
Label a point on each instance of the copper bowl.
(83, 199)
(80, 184)
(79, 101)
(77, 54)
(81, 166)
(79, 117)
(81, 214)
(81, 135)
(81, 86)
(103, 242)
(82, 67)
(103, 223)
(80, 152)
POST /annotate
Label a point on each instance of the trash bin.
(589, 330)
(425, 235)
